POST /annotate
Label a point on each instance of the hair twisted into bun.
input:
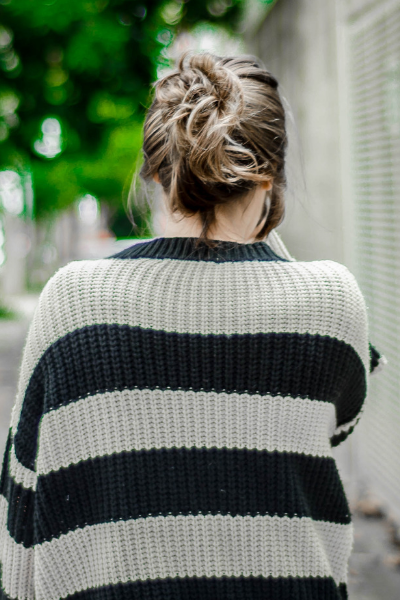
(215, 129)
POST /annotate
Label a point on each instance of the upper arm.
(349, 404)
(377, 360)
(18, 480)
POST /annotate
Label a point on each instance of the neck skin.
(235, 223)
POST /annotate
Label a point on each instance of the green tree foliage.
(85, 66)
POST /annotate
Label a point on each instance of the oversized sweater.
(173, 427)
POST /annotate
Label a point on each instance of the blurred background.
(75, 78)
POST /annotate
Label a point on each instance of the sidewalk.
(371, 574)
(12, 337)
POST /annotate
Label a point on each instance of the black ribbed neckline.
(183, 248)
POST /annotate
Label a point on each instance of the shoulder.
(331, 294)
(82, 290)
(327, 278)
(334, 274)
(349, 303)
(342, 288)
(344, 281)
(70, 272)
(62, 299)
(330, 268)
(338, 270)
(73, 278)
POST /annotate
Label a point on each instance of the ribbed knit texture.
(173, 427)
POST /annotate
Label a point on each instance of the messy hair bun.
(215, 129)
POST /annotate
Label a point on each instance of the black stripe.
(185, 481)
(221, 588)
(21, 502)
(337, 439)
(374, 357)
(6, 458)
(26, 437)
(99, 358)
(183, 248)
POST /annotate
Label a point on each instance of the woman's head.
(215, 131)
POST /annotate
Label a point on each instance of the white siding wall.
(297, 42)
(338, 64)
(370, 69)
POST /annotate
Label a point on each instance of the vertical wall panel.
(372, 61)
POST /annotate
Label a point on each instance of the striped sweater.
(173, 427)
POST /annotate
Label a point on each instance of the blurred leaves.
(87, 64)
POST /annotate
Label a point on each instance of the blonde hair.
(215, 129)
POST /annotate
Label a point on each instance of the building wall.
(338, 64)
(297, 43)
(370, 78)
(353, 9)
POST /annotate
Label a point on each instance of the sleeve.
(275, 241)
(350, 406)
(17, 493)
(18, 478)
(367, 360)
(377, 360)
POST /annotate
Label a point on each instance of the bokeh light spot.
(11, 192)
(50, 144)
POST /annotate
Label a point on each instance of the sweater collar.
(183, 248)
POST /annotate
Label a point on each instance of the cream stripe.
(193, 546)
(116, 421)
(382, 362)
(275, 241)
(170, 295)
(346, 426)
(17, 562)
(318, 297)
(20, 474)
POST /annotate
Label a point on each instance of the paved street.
(371, 577)
(12, 337)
